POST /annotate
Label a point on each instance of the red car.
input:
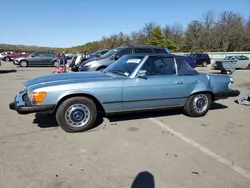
(13, 55)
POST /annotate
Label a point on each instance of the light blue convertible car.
(132, 83)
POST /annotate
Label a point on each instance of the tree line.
(227, 32)
(26, 48)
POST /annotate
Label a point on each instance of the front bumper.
(225, 95)
(15, 62)
(22, 105)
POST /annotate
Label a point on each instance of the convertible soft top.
(183, 67)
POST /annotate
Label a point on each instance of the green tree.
(158, 39)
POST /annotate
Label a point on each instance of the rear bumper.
(22, 105)
(225, 95)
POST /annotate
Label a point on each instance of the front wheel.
(248, 66)
(198, 104)
(76, 114)
(23, 63)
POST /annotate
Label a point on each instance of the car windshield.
(109, 53)
(32, 54)
(96, 53)
(125, 65)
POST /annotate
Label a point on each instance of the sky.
(66, 23)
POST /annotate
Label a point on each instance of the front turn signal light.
(38, 97)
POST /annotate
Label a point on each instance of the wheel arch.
(101, 67)
(207, 91)
(98, 104)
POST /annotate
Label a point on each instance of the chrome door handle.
(178, 82)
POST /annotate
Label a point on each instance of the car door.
(35, 59)
(161, 86)
(46, 59)
(244, 62)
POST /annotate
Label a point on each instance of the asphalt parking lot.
(158, 149)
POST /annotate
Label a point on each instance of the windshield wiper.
(117, 71)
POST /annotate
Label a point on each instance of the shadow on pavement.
(45, 120)
(144, 180)
(7, 71)
(152, 114)
(218, 106)
(48, 120)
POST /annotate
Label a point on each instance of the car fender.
(76, 92)
(202, 85)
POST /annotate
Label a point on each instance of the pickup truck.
(11, 56)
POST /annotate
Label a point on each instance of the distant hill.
(26, 48)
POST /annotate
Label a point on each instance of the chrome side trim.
(146, 109)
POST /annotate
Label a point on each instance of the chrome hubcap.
(200, 103)
(77, 115)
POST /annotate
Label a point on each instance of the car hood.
(66, 78)
(92, 59)
(18, 58)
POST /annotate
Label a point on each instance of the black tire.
(204, 64)
(191, 106)
(54, 63)
(248, 66)
(23, 63)
(6, 59)
(76, 113)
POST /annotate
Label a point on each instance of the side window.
(36, 54)
(124, 52)
(160, 51)
(143, 50)
(159, 66)
(48, 55)
(244, 58)
(239, 58)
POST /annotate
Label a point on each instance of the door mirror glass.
(141, 74)
(116, 57)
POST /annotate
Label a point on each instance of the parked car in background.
(201, 59)
(135, 82)
(242, 62)
(9, 56)
(3, 54)
(77, 60)
(190, 61)
(37, 59)
(100, 63)
(99, 53)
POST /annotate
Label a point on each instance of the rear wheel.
(204, 64)
(54, 63)
(198, 104)
(24, 63)
(248, 66)
(6, 59)
(76, 114)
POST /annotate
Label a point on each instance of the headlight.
(30, 95)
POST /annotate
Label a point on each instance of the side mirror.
(116, 57)
(33, 56)
(141, 74)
